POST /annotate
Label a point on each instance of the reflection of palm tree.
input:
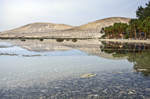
(138, 54)
(142, 62)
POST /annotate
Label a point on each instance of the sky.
(16, 13)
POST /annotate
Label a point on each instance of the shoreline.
(126, 40)
(106, 40)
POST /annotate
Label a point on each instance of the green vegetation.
(74, 40)
(23, 40)
(60, 40)
(67, 39)
(142, 13)
(137, 28)
(41, 39)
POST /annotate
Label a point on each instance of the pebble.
(131, 92)
(108, 85)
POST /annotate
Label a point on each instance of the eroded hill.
(50, 30)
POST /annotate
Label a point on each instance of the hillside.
(98, 24)
(39, 27)
(50, 30)
(92, 29)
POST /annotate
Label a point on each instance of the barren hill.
(50, 30)
(39, 27)
(98, 24)
(92, 29)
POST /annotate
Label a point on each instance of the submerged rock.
(89, 75)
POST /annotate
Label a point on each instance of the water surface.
(49, 69)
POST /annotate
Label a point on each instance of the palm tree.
(142, 13)
(106, 30)
(146, 27)
(129, 29)
(116, 29)
(123, 27)
(134, 25)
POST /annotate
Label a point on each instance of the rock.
(44, 90)
(88, 75)
(122, 92)
(131, 92)
(147, 89)
(105, 91)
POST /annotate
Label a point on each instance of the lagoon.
(49, 69)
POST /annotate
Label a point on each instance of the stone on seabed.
(89, 75)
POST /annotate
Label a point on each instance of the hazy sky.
(16, 13)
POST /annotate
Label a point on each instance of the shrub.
(59, 40)
(74, 40)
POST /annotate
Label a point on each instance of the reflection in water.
(67, 39)
(73, 69)
(139, 54)
(91, 47)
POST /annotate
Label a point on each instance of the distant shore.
(107, 40)
(47, 38)
(126, 40)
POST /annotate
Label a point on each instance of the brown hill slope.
(97, 25)
(39, 27)
(92, 29)
(49, 30)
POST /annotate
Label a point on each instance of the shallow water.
(48, 69)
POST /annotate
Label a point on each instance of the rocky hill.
(50, 30)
